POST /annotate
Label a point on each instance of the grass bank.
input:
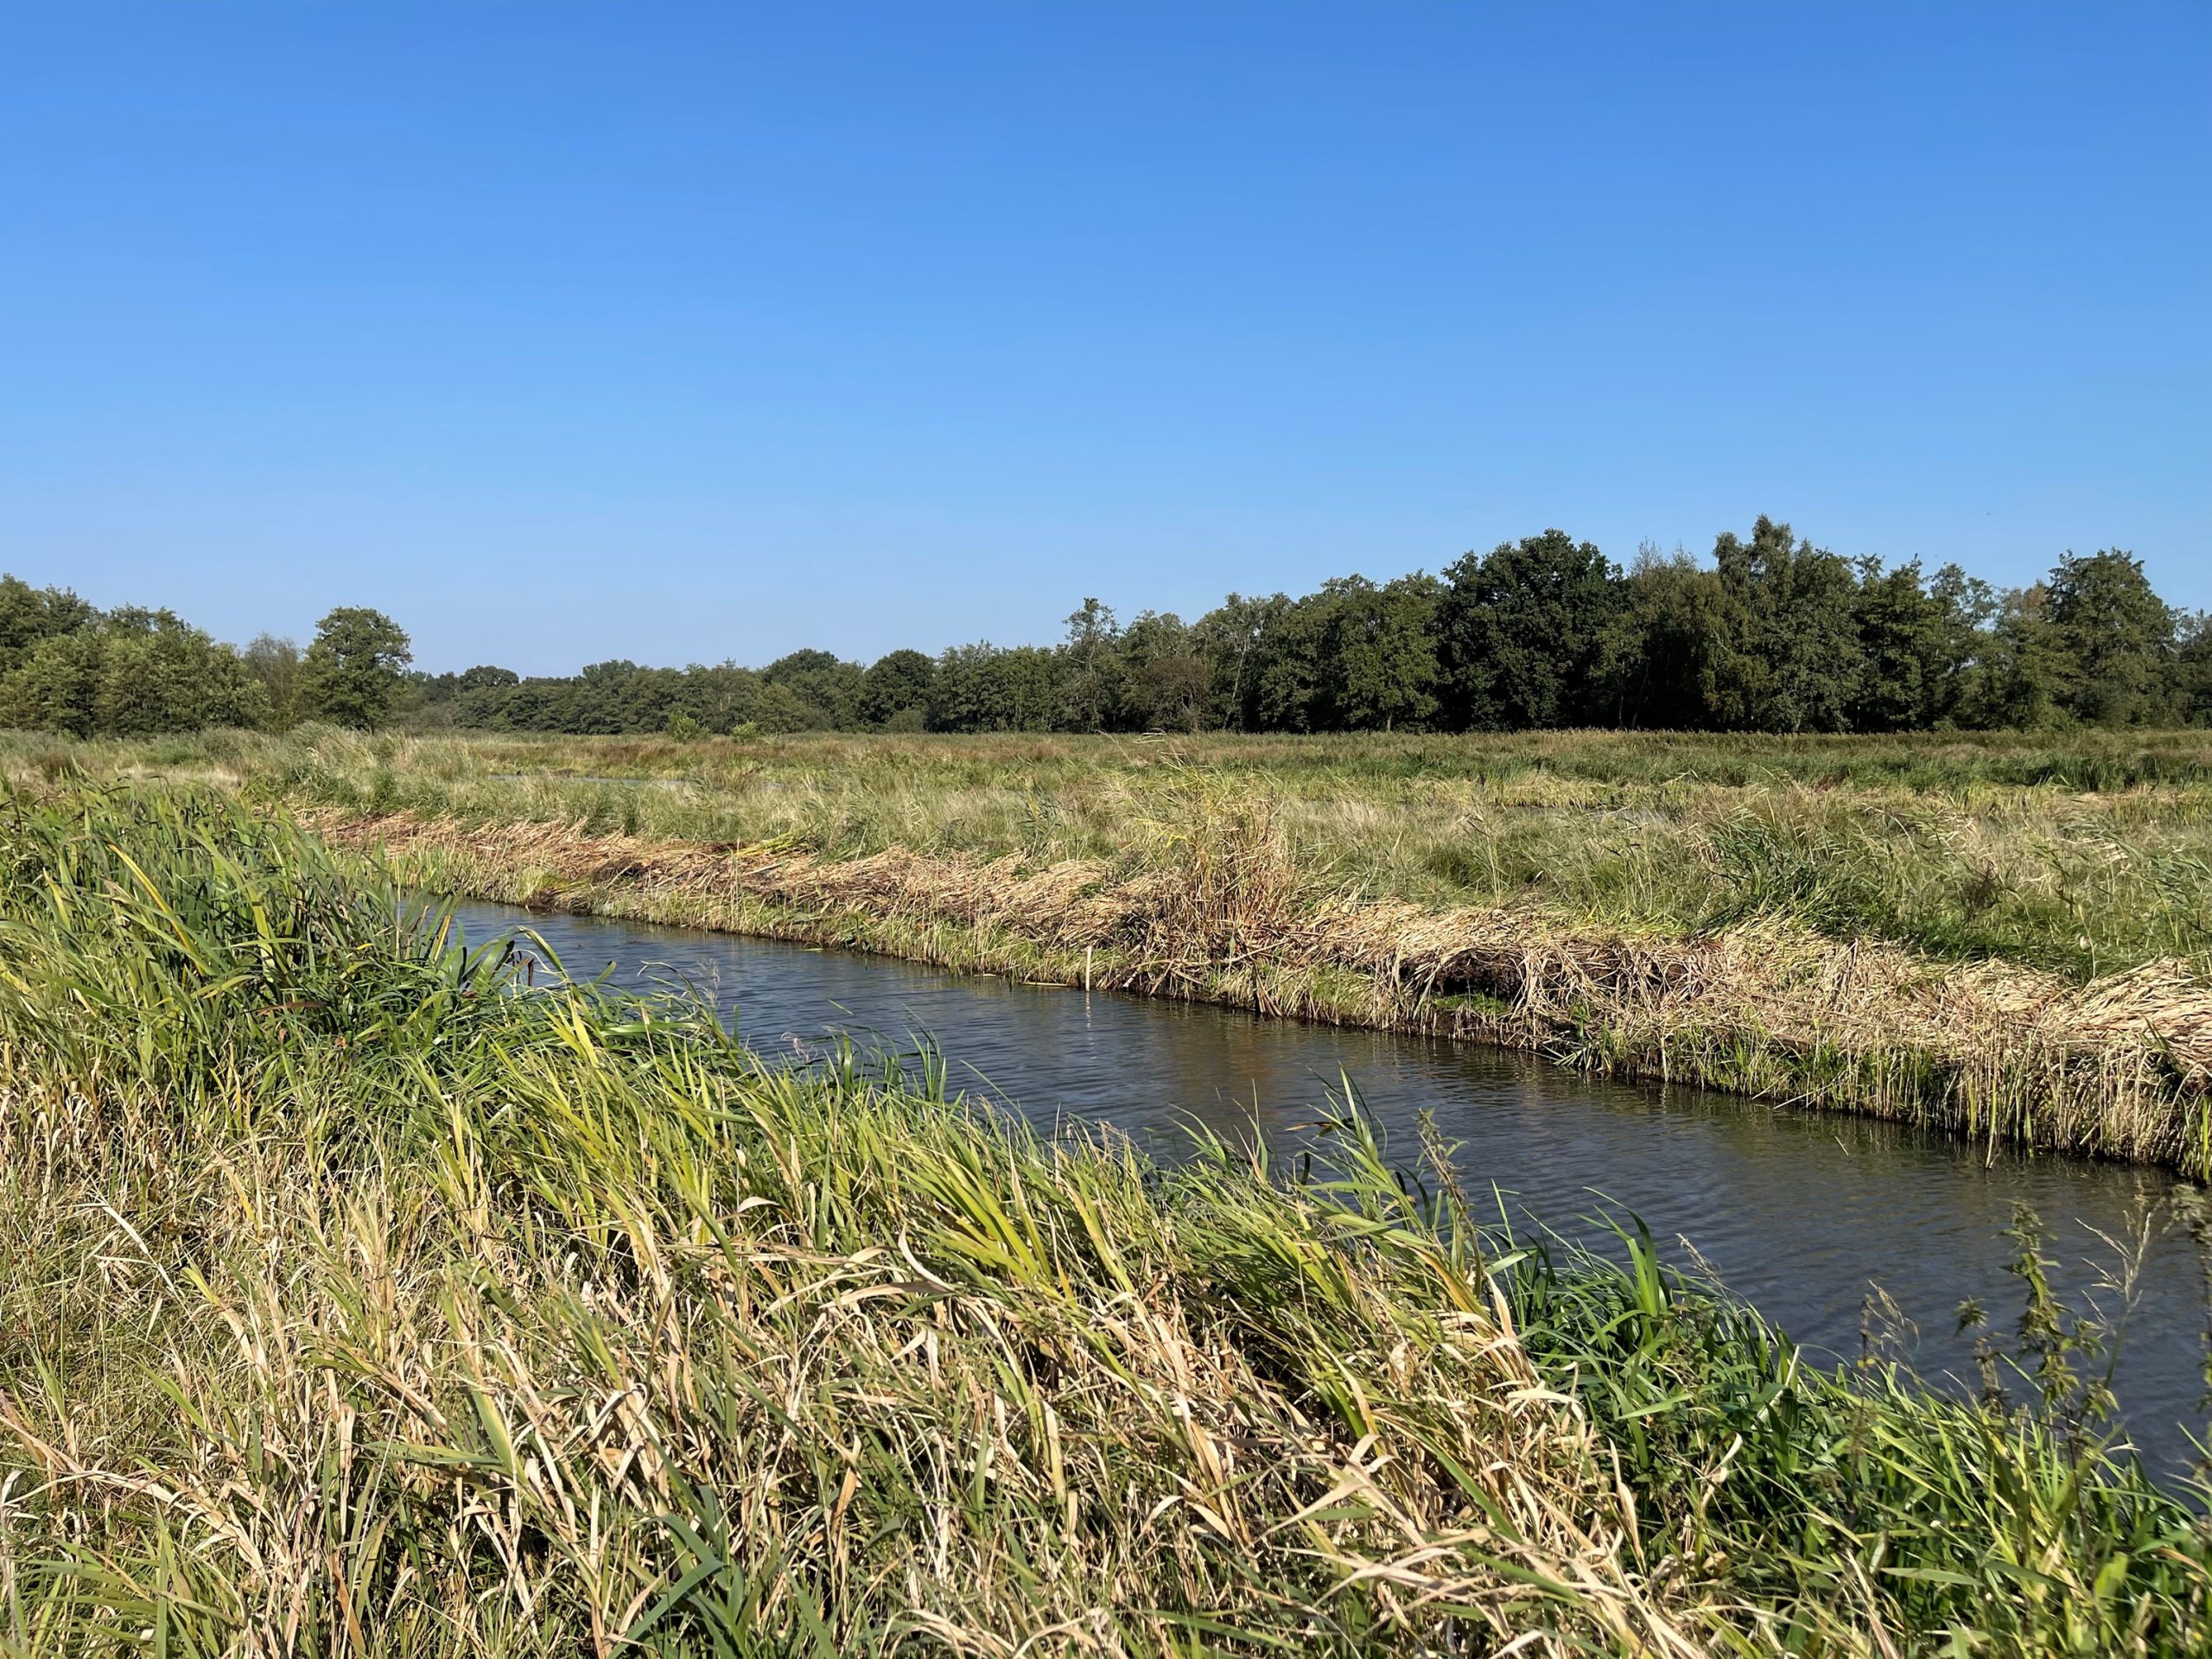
(358, 1300)
(1997, 938)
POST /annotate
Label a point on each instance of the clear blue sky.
(676, 333)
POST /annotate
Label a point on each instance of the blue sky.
(679, 333)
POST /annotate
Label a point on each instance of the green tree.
(1352, 657)
(273, 663)
(2193, 667)
(1917, 641)
(2116, 638)
(1164, 677)
(1090, 679)
(1383, 669)
(1795, 662)
(1233, 641)
(31, 615)
(614, 696)
(980, 688)
(1289, 667)
(2021, 678)
(896, 683)
(131, 673)
(55, 687)
(356, 668)
(722, 696)
(1660, 662)
(1519, 632)
(161, 674)
(829, 687)
(782, 708)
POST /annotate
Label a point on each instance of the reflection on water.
(1799, 1214)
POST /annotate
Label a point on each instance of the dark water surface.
(1798, 1213)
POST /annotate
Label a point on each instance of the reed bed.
(2080, 856)
(366, 1296)
(1214, 907)
(1999, 937)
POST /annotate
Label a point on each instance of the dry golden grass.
(357, 1300)
(1219, 911)
(378, 1309)
(2006, 937)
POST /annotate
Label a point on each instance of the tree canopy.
(1520, 630)
(1770, 633)
(354, 671)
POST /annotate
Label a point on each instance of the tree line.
(68, 668)
(1771, 634)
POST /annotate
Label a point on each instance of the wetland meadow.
(384, 1287)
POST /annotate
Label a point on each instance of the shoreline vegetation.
(368, 1301)
(2004, 940)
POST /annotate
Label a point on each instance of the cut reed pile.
(1212, 905)
(357, 1300)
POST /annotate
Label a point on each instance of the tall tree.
(29, 615)
(55, 685)
(897, 684)
(2193, 667)
(1233, 640)
(1163, 678)
(824, 691)
(1660, 663)
(1351, 658)
(980, 688)
(354, 669)
(782, 706)
(1091, 682)
(1383, 655)
(2022, 679)
(1917, 640)
(131, 673)
(2117, 638)
(1290, 666)
(275, 663)
(1795, 662)
(161, 674)
(1370, 653)
(1519, 631)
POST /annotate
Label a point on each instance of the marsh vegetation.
(2002, 938)
(364, 1297)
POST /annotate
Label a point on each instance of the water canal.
(1800, 1214)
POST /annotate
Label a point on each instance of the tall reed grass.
(363, 1296)
(2079, 855)
(1996, 938)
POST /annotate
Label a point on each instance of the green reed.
(367, 1294)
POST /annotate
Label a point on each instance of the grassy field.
(2004, 936)
(359, 1301)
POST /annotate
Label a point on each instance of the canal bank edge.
(2119, 1068)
